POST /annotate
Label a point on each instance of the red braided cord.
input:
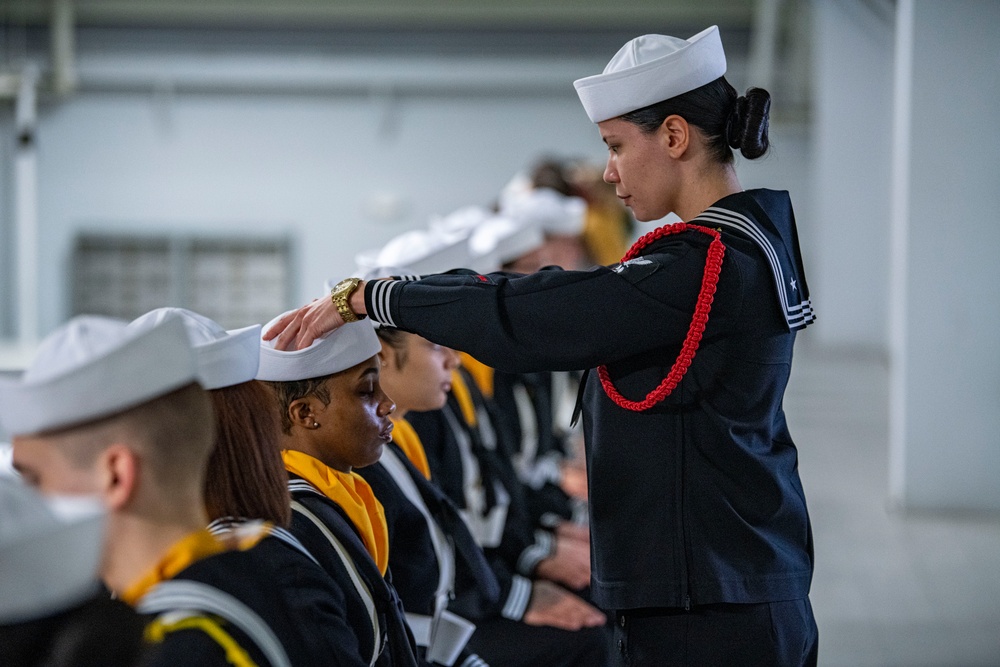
(709, 281)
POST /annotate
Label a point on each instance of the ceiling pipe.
(26, 206)
(63, 47)
(764, 43)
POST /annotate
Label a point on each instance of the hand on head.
(298, 329)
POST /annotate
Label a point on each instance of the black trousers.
(505, 643)
(778, 634)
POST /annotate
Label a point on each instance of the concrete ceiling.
(407, 14)
(769, 37)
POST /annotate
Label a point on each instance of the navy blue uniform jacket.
(411, 552)
(697, 500)
(398, 648)
(290, 593)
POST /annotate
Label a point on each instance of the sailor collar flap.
(776, 237)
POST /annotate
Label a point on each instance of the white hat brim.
(231, 360)
(147, 365)
(338, 351)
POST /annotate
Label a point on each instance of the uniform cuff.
(517, 598)
(543, 547)
(381, 297)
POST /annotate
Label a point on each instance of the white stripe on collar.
(796, 315)
(303, 485)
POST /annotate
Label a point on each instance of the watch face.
(341, 292)
(342, 288)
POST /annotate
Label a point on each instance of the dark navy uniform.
(525, 402)
(710, 474)
(311, 594)
(522, 415)
(95, 631)
(372, 607)
(291, 595)
(501, 636)
(413, 551)
(506, 531)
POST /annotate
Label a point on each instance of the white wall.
(852, 121)
(7, 290)
(945, 373)
(306, 165)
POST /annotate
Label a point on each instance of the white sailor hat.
(425, 251)
(650, 69)
(519, 185)
(551, 211)
(484, 261)
(46, 564)
(94, 367)
(505, 239)
(225, 358)
(460, 222)
(365, 261)
(337, 351)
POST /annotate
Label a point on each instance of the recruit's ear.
(120, 468)
(391, 357)
(301, 412)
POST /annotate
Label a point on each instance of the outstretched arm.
(550, 320)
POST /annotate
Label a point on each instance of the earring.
(315, 424)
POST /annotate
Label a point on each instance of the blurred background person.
(609, 228)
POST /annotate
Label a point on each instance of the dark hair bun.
(748, 123)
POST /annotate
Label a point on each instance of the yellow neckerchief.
(353, 495)
(158, 630)
(196, 546)
(464, 397)
(404, 435)
(480, 372)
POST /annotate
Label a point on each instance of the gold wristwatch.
(340, 293)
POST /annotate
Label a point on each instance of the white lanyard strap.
(352, 571)
(442, 549)
(184, 595)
